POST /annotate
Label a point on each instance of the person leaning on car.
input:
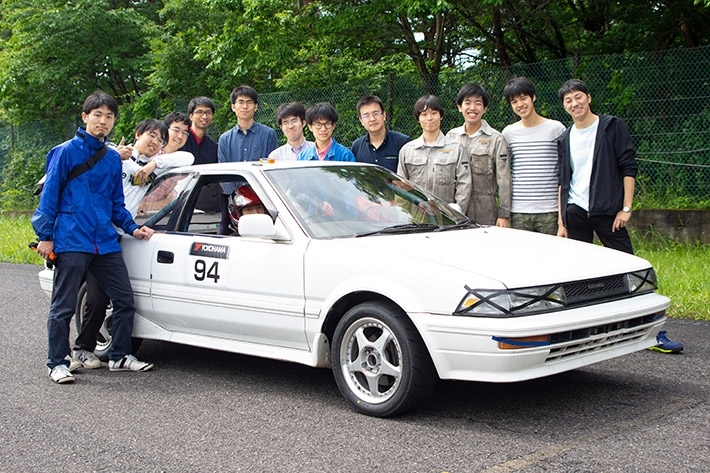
(433, 161)
(148, 159)
(74, 221)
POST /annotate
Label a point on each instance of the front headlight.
(511, 302)
(641, 281)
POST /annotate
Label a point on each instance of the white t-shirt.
(581, 147)
(133, 194)
(534, 166)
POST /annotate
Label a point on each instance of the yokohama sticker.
(209, 250)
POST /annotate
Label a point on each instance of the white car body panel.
(271, 297)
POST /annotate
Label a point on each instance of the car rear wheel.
(380, 362)
(103, 338)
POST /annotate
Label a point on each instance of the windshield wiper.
(403, 228)
(462, 224)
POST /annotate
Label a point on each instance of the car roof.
(221, 168)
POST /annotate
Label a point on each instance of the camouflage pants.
(541, 223)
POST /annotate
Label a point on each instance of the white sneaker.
(128, 363)
(86, 359)
(60, 374)
(73, 364)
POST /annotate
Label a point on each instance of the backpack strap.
(85, 166)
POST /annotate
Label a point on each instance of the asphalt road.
(207, 411)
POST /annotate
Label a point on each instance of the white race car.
(356, 269)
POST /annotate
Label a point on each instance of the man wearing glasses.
(380, 145)
(200, 111)
(321, 119)
(248, 140)
(291, 117)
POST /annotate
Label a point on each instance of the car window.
(162, 200)
(345, 201)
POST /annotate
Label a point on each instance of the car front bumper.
(467, 348)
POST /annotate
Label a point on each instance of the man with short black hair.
(532, 145)
(380, 145)
(321, 119)
(200, 111)
(488, 154)
(291, 118)
(75, 222)
(433, 161)
(248, 140)
(597, 173)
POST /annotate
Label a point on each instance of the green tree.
(58, 52)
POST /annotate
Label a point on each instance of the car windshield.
(357, 201)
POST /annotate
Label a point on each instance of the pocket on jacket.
(445, 169)
(481, 163)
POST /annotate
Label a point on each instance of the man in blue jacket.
(74, 222)
(597, 179)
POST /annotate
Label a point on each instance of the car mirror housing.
(260, 226)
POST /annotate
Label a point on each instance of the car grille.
(579, 342)
(595, 289)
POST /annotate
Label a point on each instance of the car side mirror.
(261, 226)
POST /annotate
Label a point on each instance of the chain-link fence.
(662, 96)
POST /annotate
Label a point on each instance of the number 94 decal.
(202, 272)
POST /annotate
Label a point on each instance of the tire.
(103, 338)
(380, 362)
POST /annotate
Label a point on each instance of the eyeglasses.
(326, 125)
(179, 131)
(157, 138)
(242, 103)
(293, 122)
(367, 116)
(207, 113)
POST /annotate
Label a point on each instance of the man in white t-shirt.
(597, 179)
(532, 146)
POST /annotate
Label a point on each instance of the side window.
(212, 206)
(162, 201)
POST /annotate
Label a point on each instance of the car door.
(229, 287)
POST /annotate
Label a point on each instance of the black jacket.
(204, 153)
(614, 158)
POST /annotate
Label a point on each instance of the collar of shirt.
(326, 150)
(199, 141)
(440, 141)
(298, 150)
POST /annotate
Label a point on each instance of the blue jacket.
(337, 152)
(80, 219)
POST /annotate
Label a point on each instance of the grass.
(682, 269)
(15, 234)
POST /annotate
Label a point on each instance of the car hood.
(515, 258)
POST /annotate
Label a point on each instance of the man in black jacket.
(597, 173)
(597, 179)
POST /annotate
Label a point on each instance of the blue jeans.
(110, 272)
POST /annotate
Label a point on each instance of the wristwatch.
(626, 209)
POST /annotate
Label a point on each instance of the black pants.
(580, 226)
(97, 302)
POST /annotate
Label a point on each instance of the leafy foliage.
(58, 52)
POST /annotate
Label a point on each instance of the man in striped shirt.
(532, 146)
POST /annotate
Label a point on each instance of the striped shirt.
(533, 153)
